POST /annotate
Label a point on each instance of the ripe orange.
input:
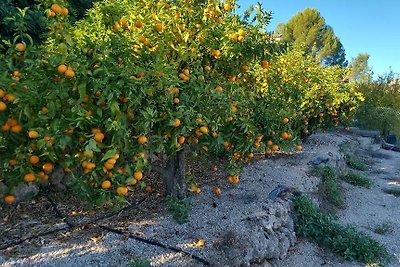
(138, 175)
(181, 140)
(64, 11)
(285, 135)
(16, 129)
(51, 13)
(207, 68)
(106, 184)
(10, 98)
(142, 139)
(48, 167)
(29, 177)
(122, 190)
(62, 69)
(5, 127)
(69, 74)
(186, 72)
(56, 8)
(177, 122)
(9, 199)
(227, 7)
(204, 129)
(275, 148)
(216, 53)
(33, 134)
(219, 89)
(20, 47)
(3, 106)
(215, 134)
(142, 39)
(138, 24)
(176, 100)
(285, 120)
(2, 93)
(298, 147)
(236, 179)
(217, 191)
(98, 137)
(34, 159)
(159, 27)
(12, 162)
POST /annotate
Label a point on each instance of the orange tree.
(137, 85)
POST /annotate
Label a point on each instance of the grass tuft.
(329, 185)
(357, 180)
(179, 208)
(394, 192)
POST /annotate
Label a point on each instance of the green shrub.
(329, 185)
(356, 179)
(343, 240)
(179, 208)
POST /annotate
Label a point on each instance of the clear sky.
(363, 26)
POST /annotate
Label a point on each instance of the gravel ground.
(367, 209)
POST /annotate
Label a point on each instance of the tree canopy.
(359, 69)
(309, 30)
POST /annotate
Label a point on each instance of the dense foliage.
(135, 86)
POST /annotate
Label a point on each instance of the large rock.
(263, 236)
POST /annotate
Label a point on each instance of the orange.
(236, 179)
(181, 140)
(12, 162)
(285, 120)
(215, 134)
(12, 122)
(216, 53)
(133, 182)
(186, 72)
(56, 8)
(34, 159)
(142, 39)
(138, 24)
(204, 129)
(2, 93)
(227, 7)
(48, 167)
(106, 184)
(275, 148)
(9, 199)
(29, 177)
(33, 134)
(64, 11)
(176, 100)
(159, 27)
(298, 147)
(142, 139)
(138, 175)
(122, 190)
(69, 74)
(43, 176)
(284, 135)
(230, 179)
(10, 98)
(16, 129)
(148, 189)
(3, 106)
(217, 191)
(98, 137)
(51, 13)
(5, 127)
(219, 89)
(62, 69)
(177, 122)
(264, 64)
(108, 166)
(207, 68)
(20, 47)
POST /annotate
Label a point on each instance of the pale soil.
(365, 209)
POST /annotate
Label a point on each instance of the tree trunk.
(174, 176)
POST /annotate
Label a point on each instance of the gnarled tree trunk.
(174, 175)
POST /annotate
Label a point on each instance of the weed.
(383, 228)
(394, 192)
(311, 223)
(179, 208)
(354, 163)
(357, 180)
(140, 262)
(329, 185)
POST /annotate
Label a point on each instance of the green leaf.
(109, 154)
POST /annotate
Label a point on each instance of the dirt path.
(370, 210)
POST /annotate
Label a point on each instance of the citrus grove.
(136, 86)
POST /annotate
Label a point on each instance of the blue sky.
(367, 26)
